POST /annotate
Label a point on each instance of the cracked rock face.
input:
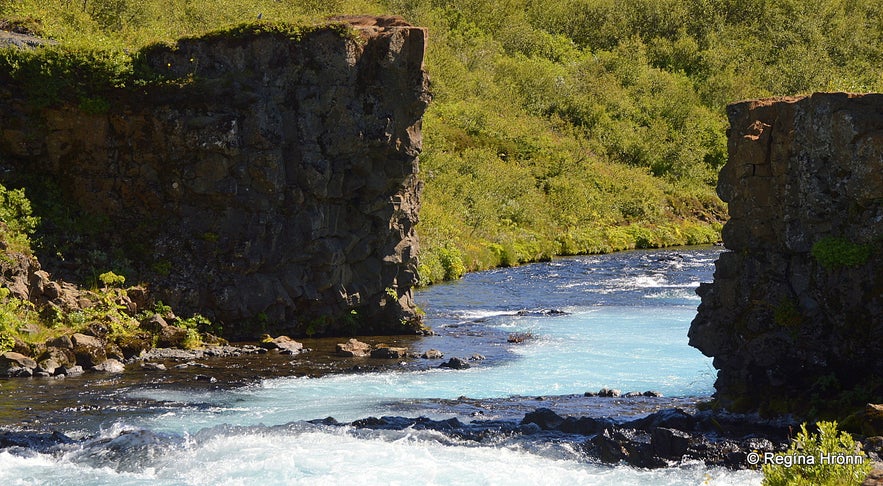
(796, 307)
(276, 189)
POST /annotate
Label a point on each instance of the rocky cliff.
(794, 318)
(267, 181)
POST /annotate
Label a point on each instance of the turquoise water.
(617, 321)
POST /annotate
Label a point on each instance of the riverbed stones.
(69, 370)
(158, 366)
(353, 348)
(283, 344)
(456, 363)
(669, 443)
(432, 354)
(134, 346)
(387, 352)
(110, 365)
(171, 337)
(54, 358)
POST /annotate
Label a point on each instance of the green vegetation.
(557, 127)
(833, 252)
(804, 463)
(15, 316)
(17, 224)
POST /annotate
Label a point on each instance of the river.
(617, 321)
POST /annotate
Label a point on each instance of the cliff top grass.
(80, 69)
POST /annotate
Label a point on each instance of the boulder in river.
(455, 364)
(432, 354)
(389, 353)
(110, 365)
(353, 348)
(16, 364)
(89, 350)
(284, 344)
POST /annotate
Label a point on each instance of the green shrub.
(834, 252)
(110, 279)
(807, 462)
(200, 323)
(192, 340)
(452, 263)
(18, 222)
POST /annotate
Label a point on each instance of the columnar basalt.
(271, 184)
(794, 318)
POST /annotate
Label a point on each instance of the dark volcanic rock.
(670, 443)
(545, 418)
(284, 344)
(796, 307)
(89, 350)
(455, 364)
(16, 364)
(279, 183)
(384, 352)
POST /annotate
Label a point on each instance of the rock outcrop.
(269, 184)
(794, 318)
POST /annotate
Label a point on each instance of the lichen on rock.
(794, 317)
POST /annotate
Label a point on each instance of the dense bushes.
(557, 127)
(827, 458)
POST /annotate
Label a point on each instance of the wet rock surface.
(665, 438)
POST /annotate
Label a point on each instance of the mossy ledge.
(263, 176)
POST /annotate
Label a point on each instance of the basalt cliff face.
(271, 186)
(794, 318)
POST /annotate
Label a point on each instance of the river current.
(617, 321)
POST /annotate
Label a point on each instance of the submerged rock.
(157, 366)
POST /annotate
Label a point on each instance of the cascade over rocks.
(794, 318)
(272, 186)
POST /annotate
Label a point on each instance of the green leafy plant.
(202, 324)
(110, 279)
(834, 252)
(828, 458)
(392, 294)
(17, 223)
